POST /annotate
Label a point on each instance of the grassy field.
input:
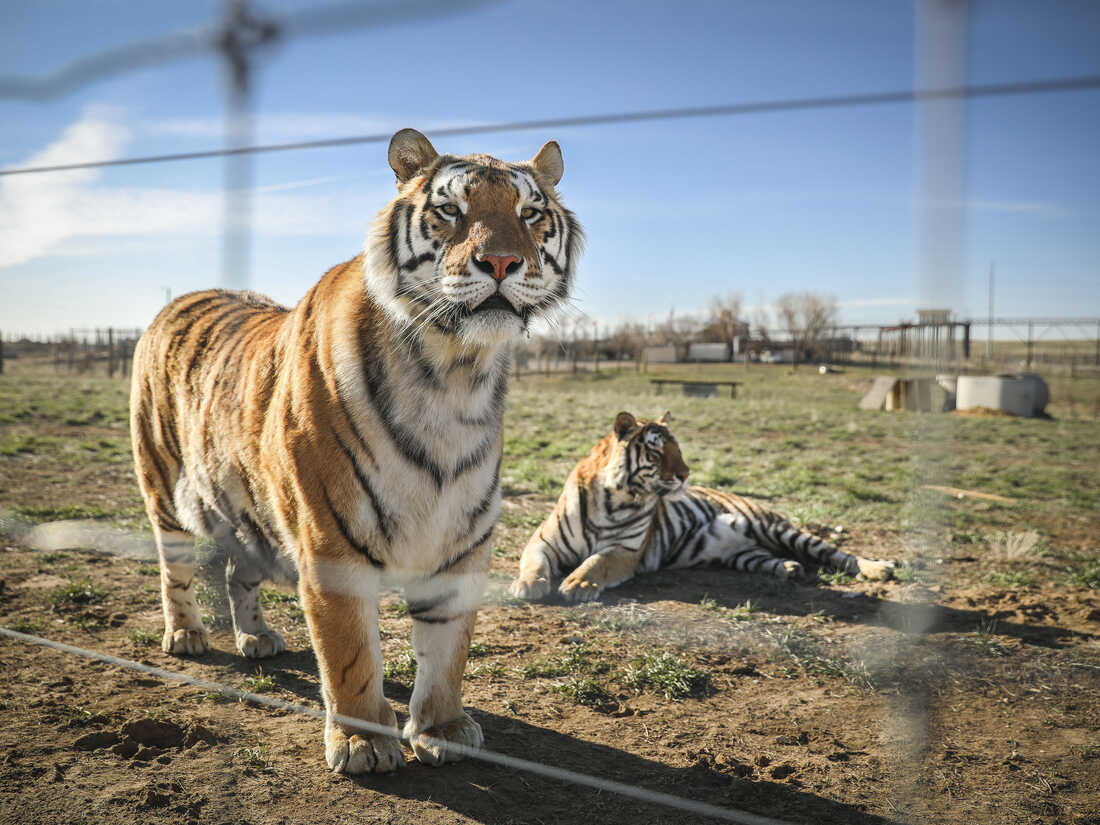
(970, 688)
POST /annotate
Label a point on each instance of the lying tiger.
(626, 508)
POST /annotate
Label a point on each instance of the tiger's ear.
(410, 152)
(624, 423)
(548, 162)
(666, 416)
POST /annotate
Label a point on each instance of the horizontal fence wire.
(1066, 84)
(514, 763)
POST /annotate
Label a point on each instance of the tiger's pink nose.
(499, 266)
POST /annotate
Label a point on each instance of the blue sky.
(675, 211)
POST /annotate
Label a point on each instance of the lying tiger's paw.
(790, 570)
(260, 645)
(578, 589)
(536, 588)
(430, 745)
(362, 752)
(877, 569)
(187, 641)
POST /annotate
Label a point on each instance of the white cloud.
(49, 213)
(38, 211)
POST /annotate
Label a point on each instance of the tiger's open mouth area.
(496, 301)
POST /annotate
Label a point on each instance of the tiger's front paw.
(877, 569)
(260, 645)
(578, 589)
(430, 744)
(530, 589)
(186, 641)
(362, 752)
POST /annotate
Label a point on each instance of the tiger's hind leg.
(728, 541)
(813, 550)
(254, 638)
(184, 634)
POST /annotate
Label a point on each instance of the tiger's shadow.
(731, 589)
(491, 793)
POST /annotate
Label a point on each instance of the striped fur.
(626, 508)
(354, 441)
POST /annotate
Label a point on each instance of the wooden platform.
(698, 389)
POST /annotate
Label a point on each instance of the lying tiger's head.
(644, 458)
(471, 246)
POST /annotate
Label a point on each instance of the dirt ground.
(939, 699)
(801, 719)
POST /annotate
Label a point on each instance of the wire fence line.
(503, 760)
(1066, 84)
(240, 30)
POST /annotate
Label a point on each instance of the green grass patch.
(76, 592)
(477, 649)
(834, 577)
(15, 444)
(575, 660)
(1011, 579)
(78, 716)
(808, 656)
(401, 667)
(1085, 573)
(260, 682)
(213, 696)
(396, 610)
(666, 674)
(528, 521)
(256, 758)
(487, 670)
(62, 512)
(584, 690)
(144, 638)
(25, 624)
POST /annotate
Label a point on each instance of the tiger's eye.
(528, 212)
(450, 210)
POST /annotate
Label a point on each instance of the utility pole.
(989, 334)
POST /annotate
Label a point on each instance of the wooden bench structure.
(704, 389)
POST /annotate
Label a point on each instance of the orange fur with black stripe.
(354, 441)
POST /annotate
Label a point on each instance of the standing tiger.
(626, 508)
(354, 441)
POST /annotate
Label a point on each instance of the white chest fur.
(429, 430)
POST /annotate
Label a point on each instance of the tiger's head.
(471, 246)
(645, 458)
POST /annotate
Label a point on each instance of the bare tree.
(808, 317)
(676, 331)
(725, 318)
(628, 337)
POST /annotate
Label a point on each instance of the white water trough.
(1023, 395)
